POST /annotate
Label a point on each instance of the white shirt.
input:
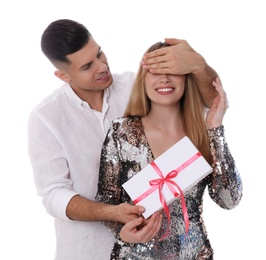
(65, 138)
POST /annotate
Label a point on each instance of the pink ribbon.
(158, 184)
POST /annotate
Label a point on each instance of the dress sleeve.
(109, 184)
(225, 186)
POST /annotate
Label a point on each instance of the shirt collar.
(78, 101)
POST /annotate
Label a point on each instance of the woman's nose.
(164, 78)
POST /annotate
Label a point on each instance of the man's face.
(88, 69)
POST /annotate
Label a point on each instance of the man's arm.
(136, 228)
(181, 59)
(204, 76)
(82, 209)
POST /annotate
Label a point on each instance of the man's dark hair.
(63, 37)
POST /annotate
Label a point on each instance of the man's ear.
(62, 75)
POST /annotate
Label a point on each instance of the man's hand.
(178, 59)
(126, 212)
(141, 230)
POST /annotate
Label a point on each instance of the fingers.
(154, 56)
(217, 82)
(132, 225)
(219, 88)
(150, 230)
(173, 41)
(140, 230)
(157, 226)
(220, 104)
(127, 212)
(177, 59)
(140, 209)
(129, 230)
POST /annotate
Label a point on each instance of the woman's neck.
(163, 128)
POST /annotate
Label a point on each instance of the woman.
(162, 110)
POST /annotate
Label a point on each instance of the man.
(66, 131)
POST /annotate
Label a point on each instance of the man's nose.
(101, 65)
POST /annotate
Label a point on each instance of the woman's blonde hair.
(192, 107)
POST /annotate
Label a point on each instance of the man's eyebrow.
(89, 63)
(84, 66)
(99, 51)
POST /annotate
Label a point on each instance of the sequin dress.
(125, 152)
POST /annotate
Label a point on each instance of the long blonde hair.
(192, 107)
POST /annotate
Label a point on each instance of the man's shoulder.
(127, 76)
(51, 99)
(121, 86)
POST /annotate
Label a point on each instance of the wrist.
(216, 131)
(111, 213)
(213, 125)
(199, 65)
(121, 242)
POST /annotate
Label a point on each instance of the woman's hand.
(219, 106)
(141, 230)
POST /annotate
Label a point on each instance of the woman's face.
(165, 89)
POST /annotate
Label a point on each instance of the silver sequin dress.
(125, 152)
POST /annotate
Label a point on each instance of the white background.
(231, 37)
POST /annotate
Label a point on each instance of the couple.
(67, 130)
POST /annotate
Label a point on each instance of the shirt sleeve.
(225, 186)
(50, 167)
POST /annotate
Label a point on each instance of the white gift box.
(183, 157)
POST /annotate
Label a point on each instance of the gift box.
(174, 172)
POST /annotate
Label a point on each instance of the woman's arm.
(225, 186)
